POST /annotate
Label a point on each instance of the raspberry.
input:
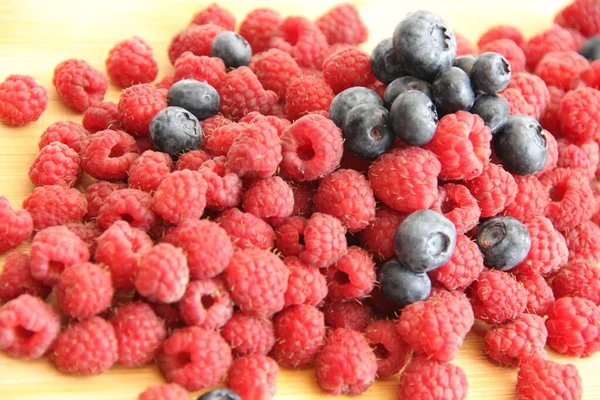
(531, 199)
(509, 50)
(56, 164)
(378, 237)
(191, 160)
(276, 70)
(131, 61)
(346, 364)
(15, 226)
(281, 124)
(494, 189)
(558, 68)
(201, 68)
(245, 230)
(257, 281)
(253, 377)
(578, 39)
(224, 188)
(580, 278)
(22, 100)
(391, 351)
(88, 232)
(49, 206)
(425, 378)
(255, 139)
(346, 68)
(588, 77)
(534, 91)
(463, 46)
(28, 326)
(307, 94)
(206, 304)
(84, 290)
(350, 314)
(581, 155)
(304, 40)
(554, 38)
(548, 250)
(552, 159)
(543, 379)
(583, 15)
(579, 114)
(170, 391)
(583, 242)
(79, 85)
(539, 294)
(149, 170)
(248, 335)
(109, 155)
(290, 236)
(501, 32)
(16, 279)
(517, 103)
(97, 193)
(162, 274)
(406, 179)
(352, 276)
(259, 27)
(138, 104)
(269, 198)
(196, 39)
(220, 140)
(181, 196)
(436, 327)
(213, 14)
(206, 358)
(130, 205)
(241, 93)
(573, 327)
(306, 285)
(67, 132)
(100, 116)
(342, 24)
(324, 241)
(464, 266)
(550, 120)
(457, 204)
(497, 297)
(304, 193)
(88, 347)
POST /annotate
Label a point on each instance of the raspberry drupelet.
(192, 160)
(84, 290)
(583, 242)
(494, 189)
(255, 139)
(206, 303)
(137, 106)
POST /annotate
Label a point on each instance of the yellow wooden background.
(37, 34)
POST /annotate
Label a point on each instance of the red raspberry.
(509, 50)
(548, 251)
(224, 188)
(165, 82)
(436, 327)
(306, 285)
(171, 391)
(67, 132)
(196, 39)
(539, 294)
(346, 363)
(494, 189)
(425, 378)
(220, 140)
(391, 351)
(534, 91)
(350, 314)
(206, 304)
(259, 27)
(246, 231)
(22, 100)
(578, 39)
(552, 159)
(253, 377)
(28, 326)
(464, 266)
(463, 45)
(248, 335)
(558, 68)
(206, 358)
(201, 68)
(583, 15)
(109, 155)
(580, 278)
(304, 193)
(579, 114)
(554, 38)
(84, 290)
(346, 68)
(55, 164)
(257, 280)
(583, 242)
(130, 205)
(181, 196)
(162, 274)
(138, 104)
(88, 232)
(378, 237)
(517, 103)
(290, 236)
(497, 297)
(269, 198)
(544, 379)
(213, 14)
(15, 226)
(276, 70)
(324, 241)
(49, 206)
(573, 327)
(88, 347)
(100, 116)
(307, 94)
(580, 155)
(79, 85)
(406, 179)
(149, 170)
(588, 77)
(16, 279)
(255, 139)
(457, 204)
(501, 32)
(131, 61)
(192, 160)
(531, 200)
(241, 93)
(352, 276)
(281, 124)
(342, 24)
(550, 120)
(97, 193)
(304, 40)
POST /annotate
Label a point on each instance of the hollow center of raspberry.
(182, 359)
(376, 133)
(292, 36)
(207, 301)
(381, 352)
(301, 240)
(341, 277)
(23, 334)
(448, 205)
(437, 244)
(305, 152)
(55, 268)
(117, 151)
(127, 218)
(557, 193)
(219, 169)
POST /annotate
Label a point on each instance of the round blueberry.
(175, 130)
(347, 99)
(233, 49)
(490, 73)
(404, 84)
(401, 286)
(591, 48)
(384, 63)
(503, 241)
(367, 131)
(521, 145)
(414, 118)
(493, 109)
(452, 91)
(220, 394)
(199, 98)
(424, 44)
(424, 241)
(465, 63)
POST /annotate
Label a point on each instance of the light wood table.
(35, 35)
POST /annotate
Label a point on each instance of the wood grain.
(35, 35)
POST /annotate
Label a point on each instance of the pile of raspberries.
(262, 247)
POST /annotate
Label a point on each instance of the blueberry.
(199, 98)
(503, 241)
(424, 44)
(233, 49)
(465, 63)
(490, 73)
(493, 109)
(404, 84)
(220, 394)
(424, 241)
(384, 63)
(591, 48)
(521, 145)
(402, 287)
(175, 130)
(414, 118)
(346, 100)
(367, 131)
(452, 91)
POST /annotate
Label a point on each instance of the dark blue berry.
(384, 63)
(490, 73)
(452, 91)
(414, 118)
(175, 130)
(367, 131)
(220, 394)
(493, 109)
(424, 44)
(233, 49)
(404, 84)
(465, 63)
(521, 145)
(591, 48)
(199, 98)
(424, 241)
(503, 241)
(401, 286)
(346, 100)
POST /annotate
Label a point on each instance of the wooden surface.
(35, 35)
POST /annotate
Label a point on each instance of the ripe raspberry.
(509, 50)
(533, 89)
(171, 391)
(543, 379)
(517, 103)
(245, 230)
(269, 198)
(306, 95)
(494, 189)
(201, 68)
(554, 38)
(88, 347)
(16, 279)
(138, 104)
(22, 100)
(191, 160)
(352, 276)
(49, 206)
(241, 93)
(109, 155)
(253, 377)
(255, 139)
(290, 236)
(548, 251)
(165, 82)
(581, 155)
(206, 304)
(220, 140)
(501, 32)
(425, 378)
(248, 335)
(304, 40)
(350, 314)
(15, 226)
(539, 294)
(463, 45)
(550, 120)
(583, 242)
(84, 290)
(531, 200)
(98, 117)
(346, 68)
(304, 193)
(79, 85)
(457, 204)
(583, 15)
(324, 241)
(149, 170)
(162, 274)
(67, 132)
(588, 77)
(213, 14)
(464, 266)
(181, 196)
(56, 164)
(558, 68)
(391, 351)
(552, 159)
(281, 124)
(88, 232)
(378, 237)
(306, 285)
(28, 326)
(342, 24)
(130, 61)
(97, 193)
(579, 114)
(196, 39)
(497, 297)
(259, 26)
(276, 70)
(573, 327)
(130, 205)
(224, 188)
(580, 278)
